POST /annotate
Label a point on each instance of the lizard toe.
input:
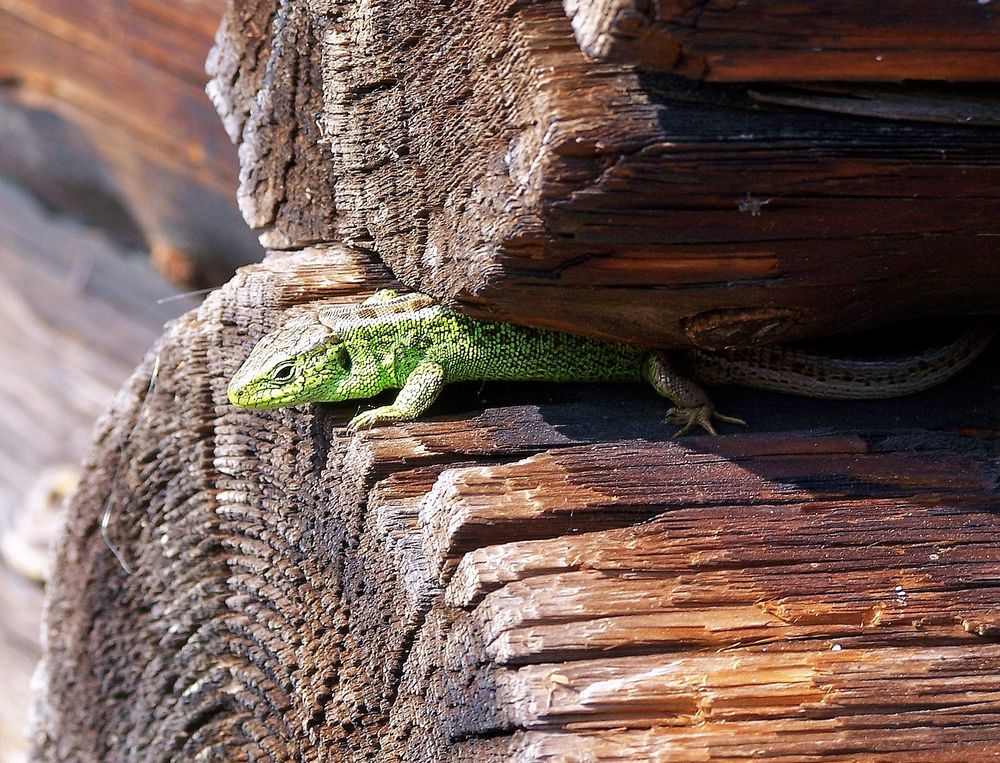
(698, 416)
(362, 422)
(387, 414)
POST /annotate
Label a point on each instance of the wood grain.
(76, 314)
(487, 161)
(509, 580)
(539, 572)
(782, 41)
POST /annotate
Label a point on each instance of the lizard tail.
(811, 374)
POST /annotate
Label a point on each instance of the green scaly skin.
(415, 345)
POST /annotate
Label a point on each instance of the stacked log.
(783, 41)
(489, 162)
(539, 572)
(511, 580)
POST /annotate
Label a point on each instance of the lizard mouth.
(240, 386)
(247, 391)
(257, 399)
(237, 394)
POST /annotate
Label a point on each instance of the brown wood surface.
(487, 161)
(104, 115)
(76, 314)
(783, 40)
(541, 572)
(532, 572)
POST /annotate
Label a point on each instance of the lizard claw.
(387, 414)
(362, 422)
(699, 415)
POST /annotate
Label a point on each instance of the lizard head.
(303, 361)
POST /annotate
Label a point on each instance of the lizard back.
(399, 334)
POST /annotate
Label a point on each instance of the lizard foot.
(387, 414)
(700, 416)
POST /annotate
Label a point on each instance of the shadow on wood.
(487, 161)
(514, 581)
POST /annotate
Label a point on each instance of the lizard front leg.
(421, 389)
(693, 408)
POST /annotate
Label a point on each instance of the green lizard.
(410, 343)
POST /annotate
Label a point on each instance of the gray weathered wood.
(75, 316)
(103, 114)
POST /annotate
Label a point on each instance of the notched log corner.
(487, 161)
(554, 581)
(511, 584)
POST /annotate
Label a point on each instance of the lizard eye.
(284, 372)
(345, 358)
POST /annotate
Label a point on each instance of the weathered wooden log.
(105, 116)
(518, 582)
(792, 41)
(487, 161)
(535, 572)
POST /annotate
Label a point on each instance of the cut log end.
(510, 584)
